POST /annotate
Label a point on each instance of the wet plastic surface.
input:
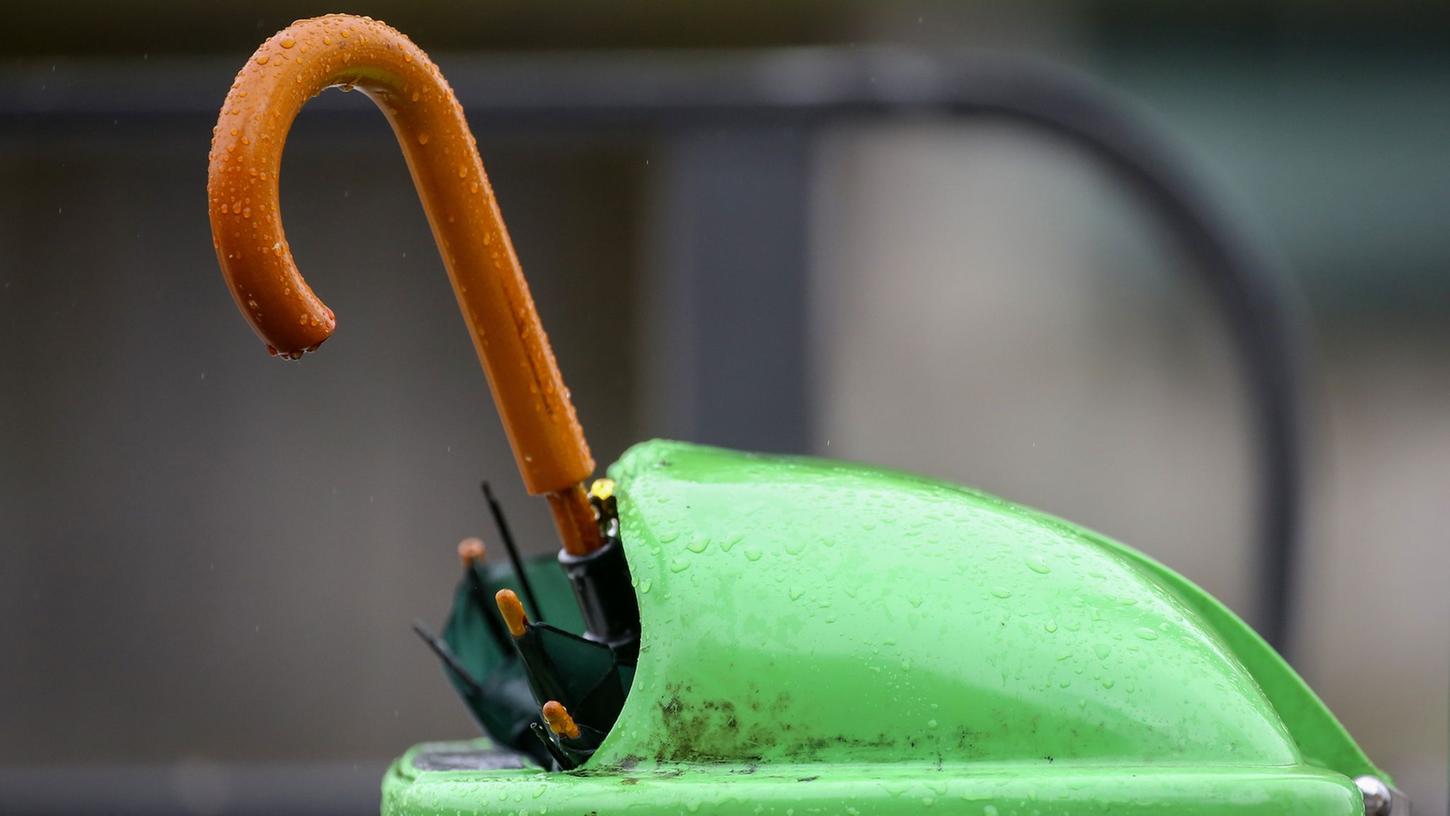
(818, 635)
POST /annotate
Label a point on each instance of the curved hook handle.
(290, 68)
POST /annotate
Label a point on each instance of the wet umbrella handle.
(246, 158)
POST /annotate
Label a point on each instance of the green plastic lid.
(825, 637)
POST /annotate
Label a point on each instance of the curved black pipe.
(1251, 297)
(621, 94)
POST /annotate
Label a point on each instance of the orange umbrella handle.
(246, 158)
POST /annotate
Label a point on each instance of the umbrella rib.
(450, 660)
(496, 510)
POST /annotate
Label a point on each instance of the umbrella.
(501, 675)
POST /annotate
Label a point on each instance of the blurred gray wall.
(208, 559)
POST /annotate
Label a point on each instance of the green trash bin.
(819, 637)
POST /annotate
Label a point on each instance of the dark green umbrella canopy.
(504, 680)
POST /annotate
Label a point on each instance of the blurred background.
(209, 559)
